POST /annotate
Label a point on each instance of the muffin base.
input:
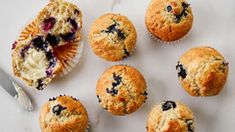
(169, 42)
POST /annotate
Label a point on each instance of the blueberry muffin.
(63, 114)
(170, 117)
(121, 90)
(202, 71)
(34, 62)
(169, 20)
(113, 37)
(61, 21)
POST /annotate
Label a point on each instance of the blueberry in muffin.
(112, 37)
(170, 116)
(34, 62)
(202, 71)
(121, 90)
(63, 113)
(62, 21)
(169, 20)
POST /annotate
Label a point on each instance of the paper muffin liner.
(89, 125)
(30, 30)
(169, 42)
(69, 55)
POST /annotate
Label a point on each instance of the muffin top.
(63, 114)
(33, 61)
(202, 71)
(170, 116)
(61, 21)
(112, 37)
(169, 20)
(121, 90)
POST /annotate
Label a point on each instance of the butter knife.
(13, 89)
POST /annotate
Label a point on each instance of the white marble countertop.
(214, 24)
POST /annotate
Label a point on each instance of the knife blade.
(15, 91)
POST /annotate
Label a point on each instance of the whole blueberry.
(76, 12)
(185, 5)
(183, 13)
(145, 94)
(168, 105)
(181, 71)
(73, 23)
(57, 109)
(114, 28)
(126, 53)
(52, 99)
(112, 91)
(52, 40)
(51, 59)
(99, 98)
(24, 51)
(169, 8)
(117, 79)
(189, 123)
(68, 36)
(14, 45)
(48, 23)
(49, 72)
(121, 34)
(40, 84)
(111, 28)
(39, 43)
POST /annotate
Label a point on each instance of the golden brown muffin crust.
(121, 90)
(169, 25)
(205, 70)
(70, 116)
(170, 117)
(112, 37)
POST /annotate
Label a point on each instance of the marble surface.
(214, 24)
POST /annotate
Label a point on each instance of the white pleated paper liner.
(69, 56)
(169, 42)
